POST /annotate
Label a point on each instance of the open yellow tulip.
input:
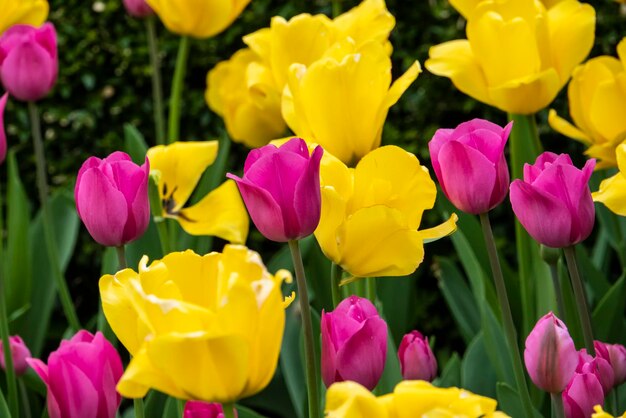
(29, 12)
(613, 190)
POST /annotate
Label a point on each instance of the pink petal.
(256, 154)
(307, 199)
(28, 72)
(329, 353)
(3, 137)
(39, 367)
(441, 137)
(297, 146)
(73, 391)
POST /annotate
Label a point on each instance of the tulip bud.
(281, 189)
(354, 343)
(199, 409)
(19, 354)
(3, 137)
(138, 8)
(417, 360)
(81, 376)
(28, 61)
(599, 367)
(550, 355)
(470, 165)
(583, 392)
(554, 202)
(112, 198)
(615, 354)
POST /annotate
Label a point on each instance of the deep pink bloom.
(281, 189)
(3, 136)
(28, 61)
(19, 354)
(550, 355)
(138, 8)
(470, 165)
(583, 392)
(615, 354)
(554, 202)
(199, 409)
(354, 343)
(81, 376)
(417, 360)
(112, 198)
(598, 366)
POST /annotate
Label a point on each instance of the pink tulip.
(554, 202)
(354, 343)
(3, 137)
(417, 360)
(81, 376)
(281, 189)
(470, 165)
(19, 354)
(112, 198)
(583, 392)
(138, 8)
(615, 354)
(199, 409)
(598, 366)
(550, 355)
(28, 61)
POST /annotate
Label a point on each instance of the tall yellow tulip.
(613, 190)
(198, 327)
(198, 18)
(371, 214)
(30, 12)
(597, 105)
(517, 55)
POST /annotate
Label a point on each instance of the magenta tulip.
(615, 354)
(3, 136)
(583, 392)
(138, 8)
(417, 361)
(354, 343)
(112, 198)
(199, 409)
(550, 355)
(19, 354)
(81, 376)
(28, 61)
(470, 165)
(598, 366)
(554, 202)
(281, 189)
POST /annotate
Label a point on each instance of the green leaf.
(396, 295)
(154, 403)
(608, 320)
(243, 412)
(496, 346)
(451, 374)
(135, 144)
(391, 373)
(509, 400)
(149, 244)
(598, 284)
(290, 361)
(477, 373)
(572, 319)
(170, 410)
(4, 408)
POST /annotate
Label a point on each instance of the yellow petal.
(526, 96)
(613, 190)
(608, 110)
(28, 12)
(351, 400)
(564, 127)
(465, 7)
(333, 213)
(369, 21)
(441, 230)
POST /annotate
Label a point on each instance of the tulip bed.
(349, 244)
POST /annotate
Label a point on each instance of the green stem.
(309, 344)
(180, 405)
(138, 405)
(581, 299)
(121, 257)
(557, 405)
(177, 90)
(336, 7)
(157, 91)
(556, 282)
(507, 317)
(25, 402)
(42, 186)
(335, 279)
(370, 289)
(229, 410)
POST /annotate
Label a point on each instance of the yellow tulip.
(613, 190)
(242, 92)
(466, 7)
(517, 55)
(197, 18)
(198, 327)
(599, 413)
(597, 102)
(351, 400)
(341, 100)
(30, 12)
(220, 213)
(371, 214)
(369, 21)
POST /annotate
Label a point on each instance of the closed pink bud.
(281, 189)
(583, 392)
(81, 376)
(3, 136)
(138, 8)
(615, 354)
(598, 366)
(199, 409)
(354, 343)
(19, 354)
(28, 61)
(550, 355)
(470, 165)
(112, 198)
(554, 202)
(417, 360)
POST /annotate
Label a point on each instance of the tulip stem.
(177, 90)
(309, 344)
(370, 289)
(507, 317)
(121, 257)
(335, 279)
(48, 231)
(229, 410)
(557, 404)
(157, 91)
(336, 7)
(581, 299)
(556, 282)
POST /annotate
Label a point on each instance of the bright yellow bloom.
(597, 103)
(369, 21)
(242, 92)
(220, 213)
(341, 100)
(466, 7)
(198, 327)
(198, 18)
(30, 12)
(601, 414)
(371, 214)
(613, 190)
(517, 55)
(409, 399)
